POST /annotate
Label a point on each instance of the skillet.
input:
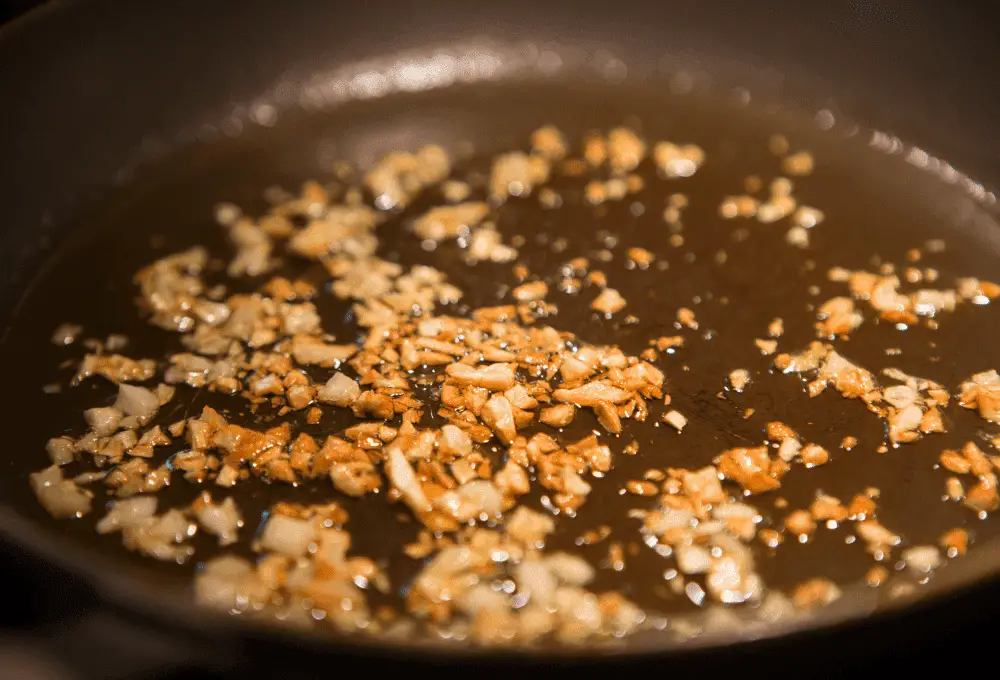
(105, 93)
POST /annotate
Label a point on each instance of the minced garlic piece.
(608, 302)
(674, 160)
(766, 347)
(738, 379)
(549, 142)
(625, 150)
(800, 163)
(448, 222)
(675, 420)
(982, 392)
(685, 317)
(517, 174)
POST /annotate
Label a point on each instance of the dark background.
(11, 8)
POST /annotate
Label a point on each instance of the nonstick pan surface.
(174, 196)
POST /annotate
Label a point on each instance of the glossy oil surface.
(876, 206)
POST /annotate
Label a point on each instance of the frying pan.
(97, 94)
